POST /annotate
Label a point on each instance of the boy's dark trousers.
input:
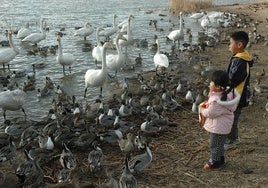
(234, 131)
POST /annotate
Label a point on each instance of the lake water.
(70, 14)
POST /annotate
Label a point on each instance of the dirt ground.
(181, 150)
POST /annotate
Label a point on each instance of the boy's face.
(235, 46)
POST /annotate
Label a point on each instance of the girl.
(218, 113)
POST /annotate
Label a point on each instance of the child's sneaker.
(214, 165)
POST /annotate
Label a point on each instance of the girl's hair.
(221, 78)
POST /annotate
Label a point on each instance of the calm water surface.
(70, 14)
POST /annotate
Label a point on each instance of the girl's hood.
(234, 101)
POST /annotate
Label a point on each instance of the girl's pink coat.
(219, 117)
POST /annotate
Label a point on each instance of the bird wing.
(161, 60)
(128, 181)
(173, 35)
(4, 96)
(95, 158)
(18, 96)
(34, 37)
(6, 55)
(97, 53)
(136, 160)
(83, 32)
(12, 100)
(93, 78)
(67, 59)
(23, 33)
(111, 61)
(108, 31)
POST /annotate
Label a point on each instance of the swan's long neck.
(128, 29)
(119, 51)
(60, 48)
(104, 56)
(158, 47)
(27, 25)
(114, 21)
(180, 22)
(11, 43)
(42, 30)
(98, 37)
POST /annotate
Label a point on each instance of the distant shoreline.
(232, 2)
(257, 10)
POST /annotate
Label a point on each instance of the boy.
(239, 75)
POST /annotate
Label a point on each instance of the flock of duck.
(126, 121)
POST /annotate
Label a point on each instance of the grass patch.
(177, 6)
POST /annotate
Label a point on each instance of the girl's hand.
(203, 104)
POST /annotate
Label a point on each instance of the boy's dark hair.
(240, 36)
(221, 78)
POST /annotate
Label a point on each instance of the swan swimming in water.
(97, 51)
(24, 31)
(35, 38)
(65, 59)
(84, 31)
(7, 54)
(12, 100)
(128, 37)
(96, 78)
(109, 31)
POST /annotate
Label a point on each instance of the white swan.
(97, 51)
(116, 62)
(96, 78)
(206, 23)
(7, 54)
(12, 100)
(160, 60)
(109, 31)
(216, 19)
(84, 31)
(65, 59)
(129, 38)
(196, 16)
(176, 35)
(216, 15)
(34, 38)
(24, 31)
